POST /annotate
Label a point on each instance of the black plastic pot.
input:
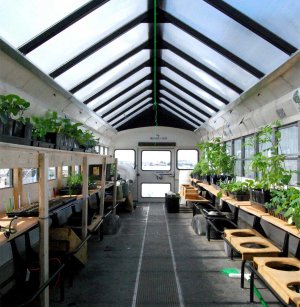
(241, 196)
(258, 198)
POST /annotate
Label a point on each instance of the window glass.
(65, 171)
(155, 189)
(228, 147)
(5, 178)
(30, 175)
(101, 150)
(154, 160)
(289, 140)
(51, 173)
(125, 156)
(292, 165)
(106, 150)
(186, 158)
(238, 167)
(237, 148)
(247, 169)
(249, 148)
(77, 169)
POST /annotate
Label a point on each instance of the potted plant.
(268, 165)
(14, 128)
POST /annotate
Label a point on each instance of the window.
(65, 171)
(30, 175)
(229, 147)
(186, 158)
(125, 156)
(51, 173)
(249, 152)
(5, 178)
(106, 150)
(237, 152)
(288, 145)
(101, 150)
(155, 189)
(156, 160)
(77, 169)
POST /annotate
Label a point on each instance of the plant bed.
(241, 196)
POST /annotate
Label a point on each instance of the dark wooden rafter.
(146, 45)
(186, 91)
(128, 108)
(97, 46)
(62, 25)
(202, 67)
(179, 114)
(193, 81)
(253, 26)
(129, 88)
(129, 114)
(123, 78)
(146, 88)
(180, 107)
(185, 101)
(213, 45)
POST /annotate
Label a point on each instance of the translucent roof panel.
(178, 115)
(184, 105)
(86, 32)
(147, 106)
(187, 115)
(199, 75)
(22, 20)
(280, 17)
(120, 87)
(191, 87)
(128, 104)
(124, 114)
(228, 33)
(123, 97)
(207, 56)
(103, 57)
(112, 75)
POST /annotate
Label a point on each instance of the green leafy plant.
(74, 183)
(12, 107)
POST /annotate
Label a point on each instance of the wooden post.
(18, 187)
(115, 186)
(85, 195)
(44, 225)
(59, 179)
(103, 182)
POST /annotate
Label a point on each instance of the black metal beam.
(185, 101)
(180, 107)
(128, 108)
(253, 26)
(111, 85)
(107, 102)
(202, 67)
(149, 87)
(196, 83)
(129, 114)
(213, 45)
(100, 44)
(177, 113)
(185, 90)
(145, 45)
(62, 25)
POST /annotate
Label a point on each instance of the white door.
(155, 173)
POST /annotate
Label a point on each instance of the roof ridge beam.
(213, 45)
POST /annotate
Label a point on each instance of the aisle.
(156, 259)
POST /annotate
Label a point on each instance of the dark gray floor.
(136, 267)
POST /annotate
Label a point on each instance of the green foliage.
(74, 182)
(12, 107)
(215, 159)
(268, 163)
